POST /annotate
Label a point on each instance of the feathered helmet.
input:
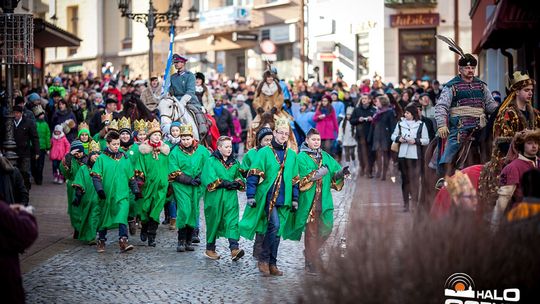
(465, 59)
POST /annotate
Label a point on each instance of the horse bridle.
(174, 109)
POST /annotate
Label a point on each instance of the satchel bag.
(395, 145)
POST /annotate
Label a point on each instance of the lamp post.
(152, 19)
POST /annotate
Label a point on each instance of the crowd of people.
(122, 168)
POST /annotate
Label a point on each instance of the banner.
(167, 74)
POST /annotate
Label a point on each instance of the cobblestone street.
(61, 270)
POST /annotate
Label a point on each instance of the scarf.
(278, 146)
(269, 90)
(199, 89)
(379, 113)
(127, 144)
(173, 140)
(58, 136)
(156, 148)
(316, 153)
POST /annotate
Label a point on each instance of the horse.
(135, 109)
(172, 109)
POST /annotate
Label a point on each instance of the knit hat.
(110, 100)
(57, 79)
(262, 133)
(240, 97)
(58, 128)
(38, 110)
(200, 76)
(33, 97)
(77, 146)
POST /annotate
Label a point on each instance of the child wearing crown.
(222, 178)
(84, 135)
(151, 170)
(86, 198)
(139, 131)
(186, 162)
(272, 192)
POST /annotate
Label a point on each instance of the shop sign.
(414, 20)
(326, 56)
(244, 36)
(228, 15)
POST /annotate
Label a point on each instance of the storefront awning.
(513, 23)
(49, 35)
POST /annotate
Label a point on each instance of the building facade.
(239, 37)
(107, 37)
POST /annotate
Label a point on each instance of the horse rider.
(461, 109)
(183, 88)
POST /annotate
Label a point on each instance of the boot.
(195, 237)
(132, 227)
(172, 224)
(189, 246)
(189, 237)
(75, 234)
(237, 254)
(275, 271)
(152, 241)
(166, 220)
(181, 247)
(124, 245)
(212, 255)
(310, 268)
(264, 268)
(101, 246)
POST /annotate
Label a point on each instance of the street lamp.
(192, 17)
(152, 19)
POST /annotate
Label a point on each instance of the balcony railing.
(410, 3)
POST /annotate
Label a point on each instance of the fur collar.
(145, 148)
(269, 90)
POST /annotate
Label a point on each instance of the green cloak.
(152, 166)
(133, 155)
(115, 174)
(267, 167)
(101, 141)
(221, 210)
(89, 207)
(307, 166)
(187, 197)
(69, 169)
(248, 160)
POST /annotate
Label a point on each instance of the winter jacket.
(61, 116)
(26, 138)
(18, 230)
(363, 127)
(327, 126)
(44, 134)
(12, 188)
(150, 97)
(59, 148)
(236, 137)
(410, 129)
(224, 121)
(345, 135)
(244, 116)
(381, 130)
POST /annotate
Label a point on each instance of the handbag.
(395, 145)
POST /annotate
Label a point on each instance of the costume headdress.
(139, 125)
(465, 59)
(124, 124)
(83, 126)
(517, 81)
(282, 122)
(113, 125)
(186, 130)
(153, 126)
(94, 147)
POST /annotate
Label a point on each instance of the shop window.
(417, 54)
(73, 25)
(284, 52)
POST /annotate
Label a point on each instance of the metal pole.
(9, 142)
(150, 25)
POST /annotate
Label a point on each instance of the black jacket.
(26, 138)
(95, 122)
(381, 130)
(12, 189)
(362, 127)
(224, 123)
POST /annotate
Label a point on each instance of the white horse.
(172, 109)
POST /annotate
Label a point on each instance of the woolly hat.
(38, 110)
(200, 76)
(57, 79)
(262, 133)
(76, 145)
(33, 97)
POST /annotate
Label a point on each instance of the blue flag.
(167, 74)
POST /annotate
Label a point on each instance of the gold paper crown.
(94, 146)
(459, 184)
(124, 123)
(153, 126)
(113, 125)
(282, 122)
(83, 126)
(519, 77)
(106, 117)
(186, 130)
(139, 125)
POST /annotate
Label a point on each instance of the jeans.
(56, 166)
(233, 244)
(271, 239)
(122, 232)
(172, 209)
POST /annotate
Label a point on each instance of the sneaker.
(124, 245)
(189, 246)
(440, 183)
(275, 271)
(211, 254)
(195, 237)
(151, 241)
(264, 268)
(172, 224)
(144, 236)
(237, 254)
(101, 246)
(55, 180)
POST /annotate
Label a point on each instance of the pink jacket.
(59, 148)
(237, 130)
(328, 126)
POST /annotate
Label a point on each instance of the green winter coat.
(187, 197)
(44, 134)
(221, 210)
(307, 166)
(89, 207)
(133, 155)
(115, 173)
(248, 160)
(153, 170)
(266, 166)
(101, 141)
(69, 168)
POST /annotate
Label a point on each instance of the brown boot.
(172, 224)
(275, 271)
(264, 268)
(124, 246)
(236, 254)
(212, 255)
(132, 226)
(101, 246)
